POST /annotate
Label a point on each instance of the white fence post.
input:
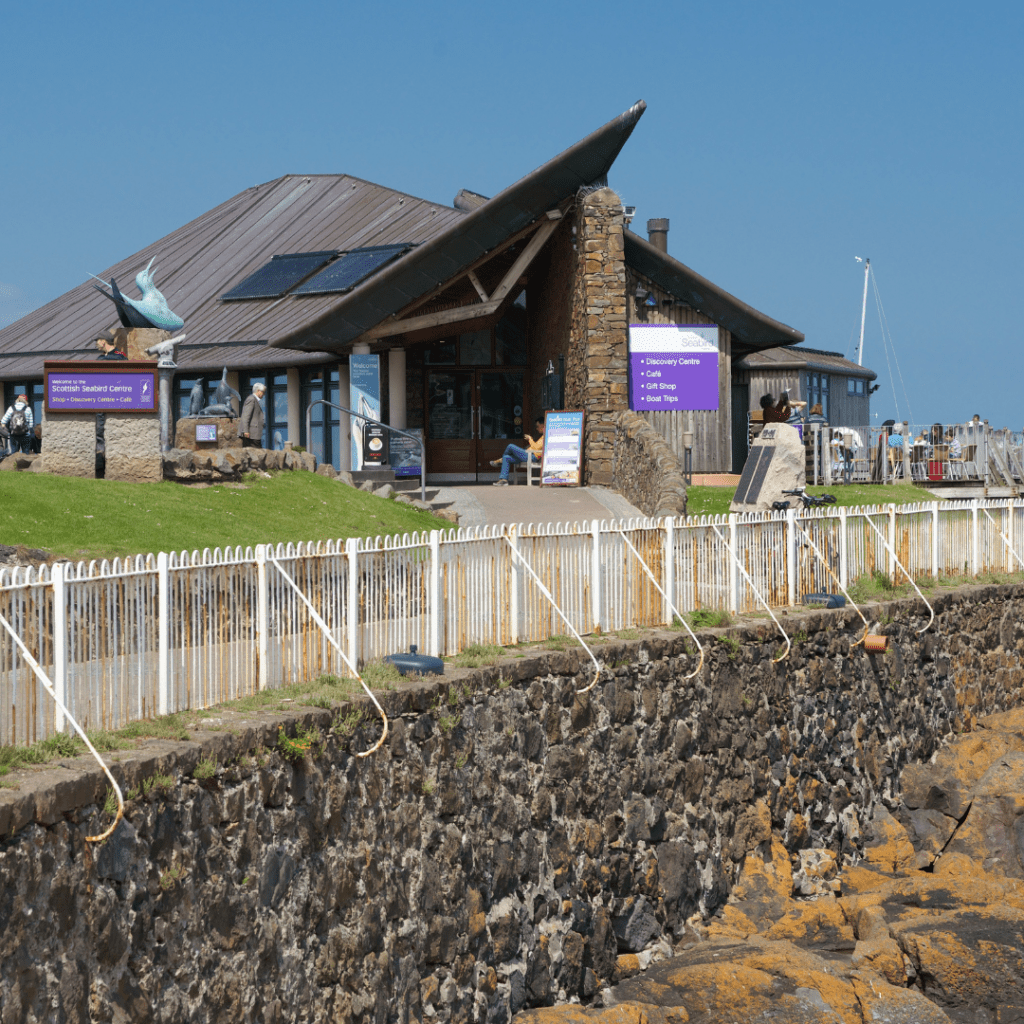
(670, 568)
(434, 595)
(935, 539)
(163, 634)
(262, 619)
(60, 643)
(892, 542)
(975, 539)
(595, 576)
(352, 560)
(844, 563)
(734, 571)
(513, 536)
(791, 554)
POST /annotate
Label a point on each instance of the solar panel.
(351, 268)
(279, 275)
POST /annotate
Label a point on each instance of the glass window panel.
(501, 405)
(510, 339)
(336, 445)
(280, 380)
(316, 413)
(278, 439)
(475, 348)
(449, 406)
(440, 353)
(280, 408)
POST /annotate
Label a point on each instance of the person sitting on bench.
(514, 454)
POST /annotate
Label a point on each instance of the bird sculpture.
(167, 351)
(221, 405)
(149, 311)
(196, 399)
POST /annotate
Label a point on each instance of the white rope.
(546, 593)
(895, 558)
(327, 633)
(675, 611)
(45, 680)
(757, 593)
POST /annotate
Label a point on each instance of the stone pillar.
(396, 388)
(141, 338)
(70, 450)
(133, 447)
(597, 371)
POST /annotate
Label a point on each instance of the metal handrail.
(386, 426)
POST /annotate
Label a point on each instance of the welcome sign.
(84, 389)
(673, 366)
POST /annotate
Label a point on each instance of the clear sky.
(781, 139)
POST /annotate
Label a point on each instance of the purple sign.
(100, 391)
(673, 366)
(206, 431)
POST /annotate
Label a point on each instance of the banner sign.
(87, 390)
(673, 366)
(404, 454)
(562, 462)
(375, 446)
(364, 397)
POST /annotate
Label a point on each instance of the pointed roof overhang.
(448, 254)
(750, 328)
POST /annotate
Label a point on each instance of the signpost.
(673, 366)
(562, 461)
(126, 389)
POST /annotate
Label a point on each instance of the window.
(817, 393)
(33, 391)
(183, 392)
(277, 411)
(324, 421)
(854, 386)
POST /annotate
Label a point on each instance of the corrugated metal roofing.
(801, 358)
(201, 260)
(750, 328)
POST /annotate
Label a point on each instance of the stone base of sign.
(227, 433)
(69, 444)
(133, 449)
(785, 472)
(228, 464)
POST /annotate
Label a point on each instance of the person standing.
(514, 454)
(250, 424)
(17, 421)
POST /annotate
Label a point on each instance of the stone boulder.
(786, 471)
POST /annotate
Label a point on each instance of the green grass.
(477, 655)
(708, 618)
(705, 501)
(83, 519)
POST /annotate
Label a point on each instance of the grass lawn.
(83, 519)
(703, 501)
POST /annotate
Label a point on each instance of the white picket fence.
(125, 640)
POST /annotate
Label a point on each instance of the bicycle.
(808, 500)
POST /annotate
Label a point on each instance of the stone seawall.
(511, 842)
(645, 469)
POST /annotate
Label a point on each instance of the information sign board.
(93, 390)
(404, 454)
(206, 431)
(364, 397)
(673, 366)
(562, 461)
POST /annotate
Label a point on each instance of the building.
(469, 306)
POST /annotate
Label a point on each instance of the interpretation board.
(673, 366)
(107, 386)
(404, 453)
(562, 461)
(752, 477)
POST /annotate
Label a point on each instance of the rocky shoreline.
(925, 926)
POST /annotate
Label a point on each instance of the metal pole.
(386, 426)
(863, 312)
(166, 379)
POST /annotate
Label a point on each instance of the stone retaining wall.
(645, 470)
(511, 844)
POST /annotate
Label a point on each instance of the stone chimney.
(657, 233)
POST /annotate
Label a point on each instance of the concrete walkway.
(484, 504)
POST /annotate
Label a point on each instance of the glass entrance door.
(500, 414)
(451, 443)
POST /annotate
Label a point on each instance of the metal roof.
(750, 328)
(804, 359)
(462, 242)
(204, 258)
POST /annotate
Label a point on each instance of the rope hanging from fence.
(675, 611)
(895, 558)
(45, 680)
(757, 594)
(547, 594)
(846, 593)
(1001, 534)
(327, 633)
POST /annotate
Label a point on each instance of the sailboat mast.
(863, 311)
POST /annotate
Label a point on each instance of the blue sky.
(780, 139)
